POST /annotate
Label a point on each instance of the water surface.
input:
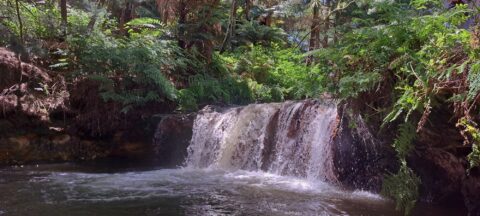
(70, 189)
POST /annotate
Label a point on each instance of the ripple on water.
(189, 192)
(254, 191)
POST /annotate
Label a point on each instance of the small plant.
(402, 187)
(403, 144)
(471, 135)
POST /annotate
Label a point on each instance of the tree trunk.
(182, 20)
(335, 26)
(126, 16)
(63, 13)
(231, 27)
(314, 33)
(20, 23)
(326, 22)
(93, 19)
(248, 6)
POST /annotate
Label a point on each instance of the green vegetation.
(402, 187)
(401, 59)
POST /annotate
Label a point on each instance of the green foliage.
(280, 72)
(403, 144)
(408, 102)
(204, 89)
(419, 50)
(402, 187)
(254, 33)
(472, 133)
(140, 27)
(474, 156)
(227, 90)
(41, 21)
(187, 100)
(474, 81)
(139, 64)
(351, 86)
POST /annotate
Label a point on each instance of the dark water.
(105, 189)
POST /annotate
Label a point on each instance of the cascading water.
(267, 159)
(291, 138)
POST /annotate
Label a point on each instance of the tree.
(326, 22)
(196, 23)
(20, 23)
(63, 13)
(231, 26)
(314, 29)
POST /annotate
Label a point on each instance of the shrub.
(141, 64)
(402, 187)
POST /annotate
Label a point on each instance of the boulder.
(471, 194)
(441, 174)
(172, 138)
(360, 159)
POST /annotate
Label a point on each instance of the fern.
(474, 81)
(407, 103)
(471, 135)
(474, 156)
(402, 187)
(139, 64)
(403, 144)
(351, 86)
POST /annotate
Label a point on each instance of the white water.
(178, 192)
(291, 139)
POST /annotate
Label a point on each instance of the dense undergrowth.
(400, 59)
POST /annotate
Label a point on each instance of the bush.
(141, 64)
(275, 70)
(205, 89)
(402, 187)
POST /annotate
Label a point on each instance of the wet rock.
(21, 142)
(360, 160)
(441, 174)
(61, 139)
(172, 138)
(471, 193)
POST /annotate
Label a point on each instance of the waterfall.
(291, 138)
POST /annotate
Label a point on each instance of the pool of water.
(92, 189)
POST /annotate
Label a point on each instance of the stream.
(114, 188)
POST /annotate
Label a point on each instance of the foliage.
(474, 81)
(474, 156)
(402, 187)
(254, 33)
(397, 45)
(204, 89)
(471, 132)
(280, 71)
(351, 86)
(140, 64)
(41, 21)
(403, 143)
